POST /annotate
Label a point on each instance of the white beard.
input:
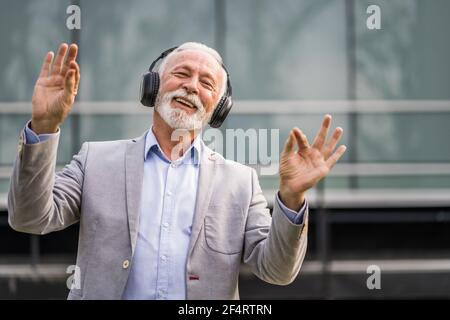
(177, 118)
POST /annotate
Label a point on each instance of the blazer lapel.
(134, 175)
(208, 166)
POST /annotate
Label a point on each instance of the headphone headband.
(161, 56)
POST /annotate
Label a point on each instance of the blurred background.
(290, 61)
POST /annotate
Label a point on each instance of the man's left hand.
(301, 169)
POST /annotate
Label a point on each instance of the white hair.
(199, 47)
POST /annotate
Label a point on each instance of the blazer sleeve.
(40, 201)
(274, 247)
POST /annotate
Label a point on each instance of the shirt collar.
(152, 146)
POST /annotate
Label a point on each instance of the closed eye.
(208, 85)
(181, 74)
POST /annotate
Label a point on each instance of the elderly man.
(158, 221)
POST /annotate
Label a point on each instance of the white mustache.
(192, 98)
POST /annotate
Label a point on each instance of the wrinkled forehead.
(196, 60)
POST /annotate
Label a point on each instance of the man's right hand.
(55, 90)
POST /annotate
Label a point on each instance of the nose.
(191, 85)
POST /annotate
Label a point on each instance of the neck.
(173, 142)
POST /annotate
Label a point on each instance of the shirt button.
(165, 225)
(126, 264)
(173, 165)
(163, 258)
(169, 193)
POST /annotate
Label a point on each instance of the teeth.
(185, 102)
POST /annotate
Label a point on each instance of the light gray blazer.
(101, 188)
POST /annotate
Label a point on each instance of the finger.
(322, 134)
(69, 85)
(76, 67)
(302, 141)
(59, 59)
(71, 56)
(331, 161)
(46, 64)
(289, 145)
(77, 80)
(337, 134)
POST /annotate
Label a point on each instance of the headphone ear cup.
(220, 113)
(149, 88)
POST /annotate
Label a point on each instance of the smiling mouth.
(185, 103)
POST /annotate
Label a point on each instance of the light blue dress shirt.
(169, 190)
(167, 211)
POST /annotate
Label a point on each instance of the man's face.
(190, 89)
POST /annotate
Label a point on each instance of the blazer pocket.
(224, 229)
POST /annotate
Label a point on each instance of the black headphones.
(150, 86)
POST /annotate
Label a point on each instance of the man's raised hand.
(301, 169)
(55, 90)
